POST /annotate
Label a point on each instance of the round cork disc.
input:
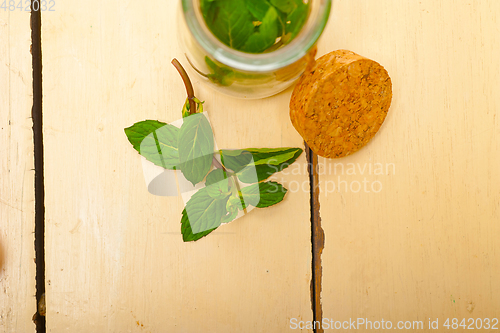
(340, 103)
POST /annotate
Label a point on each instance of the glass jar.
(248, 75)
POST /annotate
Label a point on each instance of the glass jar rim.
(258, 62)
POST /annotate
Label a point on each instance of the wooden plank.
(115, 260)
(424, 242)
(17, 216)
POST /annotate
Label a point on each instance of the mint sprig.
(190, 149)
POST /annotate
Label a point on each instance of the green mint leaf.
(230, 216)
(275, 159)
(230, 21)
(217, 184)
(264, 194)
(222, 79)
(271, 193)
(282, 19)
(138, 131)
(286, 6)
(296, 19)
(259, 195)
(225, 76)
(260, 163)
(205, 6)
(208, 10)
(235, 160)
(215, 176)
(202, 215)
(156, 141)
(264, 171)
(186, 109)
(199, 105)
(237, 201)
(266, 35)
(258, 8)
(196, 147)
(220, 75)
(232, 211)
(253, 26)
(187, 232)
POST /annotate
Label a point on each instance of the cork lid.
(340, 103)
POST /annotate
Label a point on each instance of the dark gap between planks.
(317, 238)
(36, 113)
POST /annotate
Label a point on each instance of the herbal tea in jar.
(251, 48)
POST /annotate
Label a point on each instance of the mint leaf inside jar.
(254, 26)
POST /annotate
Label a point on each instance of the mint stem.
(192, 104)
(217, 164)
(187, 83)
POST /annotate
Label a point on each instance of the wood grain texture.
(424, 242)
(114, 253)
(17, 217)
